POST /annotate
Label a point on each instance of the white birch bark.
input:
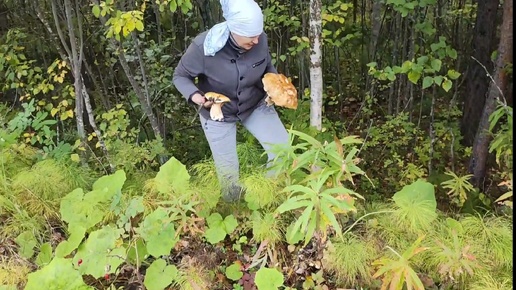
(316, 79)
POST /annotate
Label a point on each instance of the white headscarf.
(243, 17)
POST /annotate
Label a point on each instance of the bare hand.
(201, 100)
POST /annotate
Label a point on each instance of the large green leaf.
(107, 186)
(307, 138)
(294, 202)
(159, 275)
(74, 240)
(417, 204)
(99, 253)
(172, 176)
(158, 231)
(77, 211)
(268, 279)
(59, 274)
(26, 241)
(45, 255)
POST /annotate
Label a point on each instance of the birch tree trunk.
(478, 162)
(316, 79)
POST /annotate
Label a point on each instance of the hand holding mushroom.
(280, 91)
(218, 101)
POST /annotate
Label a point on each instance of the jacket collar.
(234, 45)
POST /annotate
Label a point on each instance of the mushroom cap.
(280, 90)
(216, 98)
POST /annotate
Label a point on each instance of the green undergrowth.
(169, 229)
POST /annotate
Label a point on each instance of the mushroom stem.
(216, 112)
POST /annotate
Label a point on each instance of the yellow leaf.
(125, 31)
(130, 25)
(41, 103)
(54, 111)
(64, 103)
(97, 145)
(63, 117)
(69, 113)
(139, 25)
(75, 158)
(58, 79)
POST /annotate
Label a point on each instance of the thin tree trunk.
(316, 80)
(376, 25)
(157, 15)
(478, 162)
(476, 80)
(147, 110)
(76, 65)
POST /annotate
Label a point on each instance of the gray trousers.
(264, 124)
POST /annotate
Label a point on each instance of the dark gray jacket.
(235, 75)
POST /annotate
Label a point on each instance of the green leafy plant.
(268, 279)
(234, 271)
(159, 275)
(320, 206)
(59, 274)
(458, 187)
(219, 228)
(453, 255)
(416, 206)
(100, 253)
(398, 272)
(307, 156)
(503, 139)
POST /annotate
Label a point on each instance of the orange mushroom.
(280, 91)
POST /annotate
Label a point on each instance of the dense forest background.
(416, 121)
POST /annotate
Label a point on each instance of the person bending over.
(230, 59)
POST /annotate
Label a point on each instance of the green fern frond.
(136, 182)
(451, 255)
(204, 174)
(249, 157)
(193, 275)
(485, 280)
(40, 188)
(349, 259)
(262, 192)
(267, 227)
(16, 159)
(14, 272)
(383, 229)
(16, 219)
(493, 235)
